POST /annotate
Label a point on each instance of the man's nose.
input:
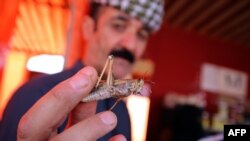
(130, 42)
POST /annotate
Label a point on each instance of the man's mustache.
(123, 53)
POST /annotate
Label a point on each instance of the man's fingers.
(118, 137)
(90, 129)
(55, 105)
(82, 111)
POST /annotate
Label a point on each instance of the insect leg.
(116, 102)
(103, 70)
(110, 80)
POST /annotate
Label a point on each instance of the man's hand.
(47, 114)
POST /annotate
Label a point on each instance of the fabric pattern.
(150, 12)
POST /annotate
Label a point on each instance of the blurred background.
(199, 62)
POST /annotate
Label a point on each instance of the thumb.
(90, 129)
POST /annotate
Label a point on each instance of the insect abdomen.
(105, 92)
(98, 94)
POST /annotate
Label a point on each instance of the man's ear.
(88, 27)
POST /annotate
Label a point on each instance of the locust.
(113, 88)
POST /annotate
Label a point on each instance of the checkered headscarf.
(150, 12)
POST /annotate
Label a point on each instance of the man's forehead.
(149, 12)
(115, 14)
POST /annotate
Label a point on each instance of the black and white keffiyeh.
(150, 12)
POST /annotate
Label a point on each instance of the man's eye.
(143, 34)
(118, 26)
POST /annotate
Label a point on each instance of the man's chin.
(121, 67)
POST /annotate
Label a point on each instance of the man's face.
(116, 33)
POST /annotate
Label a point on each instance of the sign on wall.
(224, 80)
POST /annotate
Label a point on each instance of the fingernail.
(89, 71)
(107, 118)
(82, 78)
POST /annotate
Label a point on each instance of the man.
(116, 27)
